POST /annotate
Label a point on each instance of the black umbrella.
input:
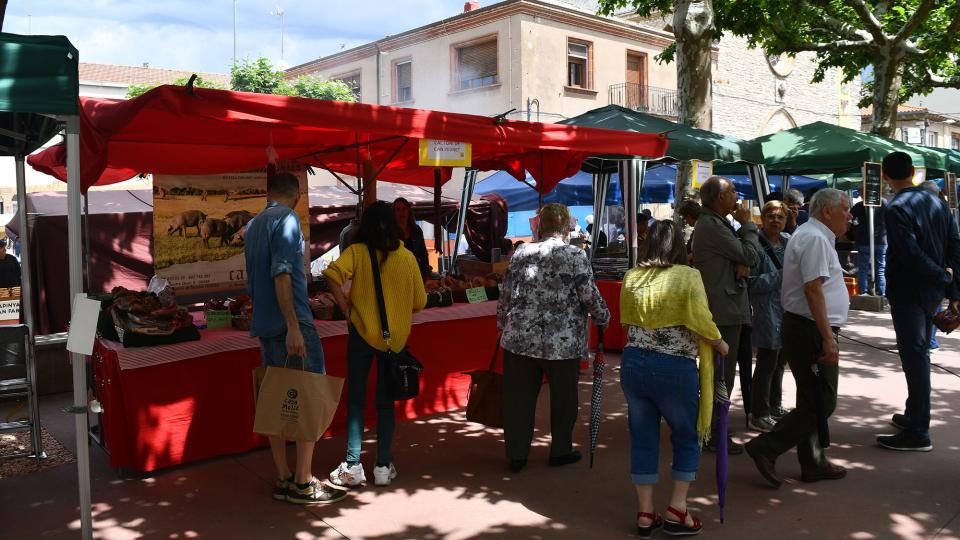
(598, 365)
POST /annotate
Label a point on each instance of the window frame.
(587, 65)
(358, 73)
(395, 79)
(455, 82)
(932, 139)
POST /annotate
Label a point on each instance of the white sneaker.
(383, 475)
(345, 475)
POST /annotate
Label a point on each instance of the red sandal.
(656, 521)
(680, 528)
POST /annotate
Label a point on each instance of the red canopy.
(168, 130)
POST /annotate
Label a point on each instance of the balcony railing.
(648, 99)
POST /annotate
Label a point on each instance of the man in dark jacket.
(923, 255)
(724, 257)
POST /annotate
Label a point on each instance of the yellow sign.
(437, 153)
(702, 170)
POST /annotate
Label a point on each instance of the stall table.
(175, 404)
(615, 336)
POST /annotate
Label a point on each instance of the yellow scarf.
(674, 296)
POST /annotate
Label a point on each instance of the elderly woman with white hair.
(545, 298)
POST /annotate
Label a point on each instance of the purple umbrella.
(598, 365)
(721, 405)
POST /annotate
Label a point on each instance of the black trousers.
(767, 386)
(802, 345)
(522, 378)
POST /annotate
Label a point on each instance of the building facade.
(921, 126)
(554, 59)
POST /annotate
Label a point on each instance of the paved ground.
(453, 483)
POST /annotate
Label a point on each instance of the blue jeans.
(863, 268)
(913, 323)
(360, 357)
(273, 350)
(661, 385)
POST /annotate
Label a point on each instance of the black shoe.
(765, 465)
(830, 472)
(517, 465)
(281, 488)
(899, 421)
(656, 521)
(560, 461)
(778, 413)
(733, 448)
(905, 442)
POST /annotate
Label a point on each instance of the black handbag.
(403, 369)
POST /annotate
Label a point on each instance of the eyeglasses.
(777, 217)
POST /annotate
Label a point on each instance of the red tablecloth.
(180, 412)
(615, 336)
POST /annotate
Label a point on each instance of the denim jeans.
(360, 357)
(661, 385)
(913, 323)
(863, 268)
(273, 350)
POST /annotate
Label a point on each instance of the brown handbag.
(485, 404)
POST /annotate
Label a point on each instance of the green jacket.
(717, 250)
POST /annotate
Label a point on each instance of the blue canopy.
(578, 189)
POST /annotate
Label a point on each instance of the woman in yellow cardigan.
(664, 307)
(403, 294)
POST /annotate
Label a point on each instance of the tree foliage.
(912, 46)
(135, 90)
(259, 76)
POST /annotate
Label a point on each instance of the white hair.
(826, 198)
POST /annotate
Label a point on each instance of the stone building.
(553, 59)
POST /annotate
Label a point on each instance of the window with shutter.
(956, 142)
(578, 64)
(403, 81)
(477, 65)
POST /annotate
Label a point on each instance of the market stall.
(701, 147)
(176, 404)
(189, 132)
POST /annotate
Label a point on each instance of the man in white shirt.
(815, 304)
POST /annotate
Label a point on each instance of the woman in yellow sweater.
(664, 307)
(403, 294)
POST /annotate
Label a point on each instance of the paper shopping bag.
(296, 405)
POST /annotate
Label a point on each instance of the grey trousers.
(522, 378)
(802, 344)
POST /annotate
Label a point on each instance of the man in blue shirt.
(283, 321)
(923, 253)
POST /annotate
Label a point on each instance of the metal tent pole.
(871, 287)
(469, 182)
(87, 250)
(758, 177)
(26, 298)
(75, 259)
(630, 171)
(601, 185)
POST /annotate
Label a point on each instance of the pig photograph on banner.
(199, 223)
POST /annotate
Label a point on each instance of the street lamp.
(278, 12)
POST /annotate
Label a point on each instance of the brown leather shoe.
(830, 472)
(765, 465)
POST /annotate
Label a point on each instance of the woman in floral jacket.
(546, 296)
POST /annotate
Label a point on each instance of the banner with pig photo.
(199, 222)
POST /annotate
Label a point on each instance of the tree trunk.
(693, 29)
(887, 78)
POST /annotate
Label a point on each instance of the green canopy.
(953, 157)
(686, 143)
(819, 148)
(38, 76)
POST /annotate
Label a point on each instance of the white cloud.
(180, 34)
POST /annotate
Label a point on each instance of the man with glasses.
(794, 201)
(724, 257)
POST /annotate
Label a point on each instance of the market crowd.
(703, 299)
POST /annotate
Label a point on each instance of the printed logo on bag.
(290, 409)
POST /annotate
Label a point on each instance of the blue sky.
(198, 35)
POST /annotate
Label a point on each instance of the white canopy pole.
(75, 258)
(26, 295)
